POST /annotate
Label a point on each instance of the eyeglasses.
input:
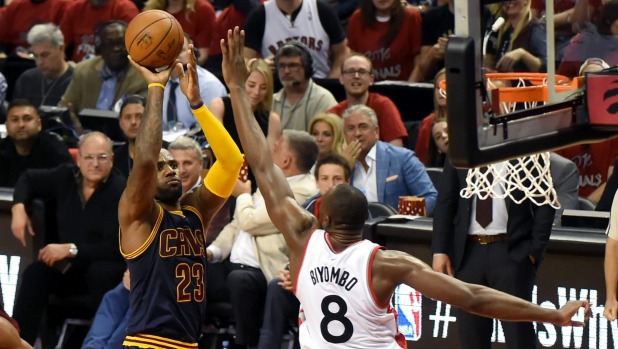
(291, 66)
(353, 72)
(101, 158)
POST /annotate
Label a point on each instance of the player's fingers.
(241, 44)
(135, 65)
(230, 43)
(223, 49)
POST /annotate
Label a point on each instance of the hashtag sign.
(437, 318)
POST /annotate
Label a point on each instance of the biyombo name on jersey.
(334, 275)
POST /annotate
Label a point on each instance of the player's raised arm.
(137, 211)
(392, 268)
(222, 176)
(284, 211)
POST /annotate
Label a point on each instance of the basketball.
(154, 39)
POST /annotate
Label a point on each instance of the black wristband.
(198, 106)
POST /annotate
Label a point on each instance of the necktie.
(108, 89)
(484, 208)
(172, 118)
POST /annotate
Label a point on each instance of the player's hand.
(286, 280)
(20, 223)
(152, 76)
(189, 83)
(570, 309)
(53, 253)
(611, 308)
(234, 68)
(442, 264)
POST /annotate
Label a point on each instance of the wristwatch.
(73, 250)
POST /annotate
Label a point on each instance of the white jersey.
(338, 308)
(305, 28)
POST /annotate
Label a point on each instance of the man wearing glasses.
(83, 257)
(356, 77)
(300, 99)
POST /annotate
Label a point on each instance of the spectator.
(197, 19)
(188, 155)
(52, 72)
(600, 40)
(84, 260)
(233, 15)
(594, 163)
(84, 20)
(423, 139)
(327, 131)
(3, 88)
(9, 336)
(129, 119)
(101, 81)
(563, 24)
(438, 146)
(382, 171)
(177, 113)
(275, 23)
(521, 44)
(592, 65)
(259, 87)
(18, 17)
(26, 145)
(256, 249)
(300, 99)
(281, 307)
(437, 25)
(356, 77)
(566, 183)
(389, 34)
(109, 326)
(609, 191)
(494, 242)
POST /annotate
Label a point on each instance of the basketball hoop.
(529, 174)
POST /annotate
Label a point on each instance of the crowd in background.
(62, 61)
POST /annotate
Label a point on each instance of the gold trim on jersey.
(151, 237)
(199, 215)
(156, 342)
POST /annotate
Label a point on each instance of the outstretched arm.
(396, 267)
(137, 211)
(221, 177)
(284, 211)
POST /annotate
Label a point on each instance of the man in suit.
(384, 172)
(493, 242)
(256, 248)
(101, 81)
(565, 176)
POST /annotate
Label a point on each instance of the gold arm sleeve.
(223, 174)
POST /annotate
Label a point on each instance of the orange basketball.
(154, 39)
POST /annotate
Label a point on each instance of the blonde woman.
(259, 87)
(327, 130)
(197, 18)
(521, 44)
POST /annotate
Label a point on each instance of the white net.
(528, 177)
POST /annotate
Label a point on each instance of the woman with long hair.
(327, 130)
(424, 137)
(521, 44)
(197, 18)
(438, 143)
(259, 87)
(389, 34)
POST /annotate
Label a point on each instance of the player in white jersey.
(342, 214)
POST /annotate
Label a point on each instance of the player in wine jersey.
(343, 282)
(162, 236)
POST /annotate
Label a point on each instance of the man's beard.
(169, 196)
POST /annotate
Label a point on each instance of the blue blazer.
(400, 173)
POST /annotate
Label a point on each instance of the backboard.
(479, 135)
